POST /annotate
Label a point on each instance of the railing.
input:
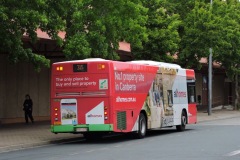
(217, 101)
(230, 100)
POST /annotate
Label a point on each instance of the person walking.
(28, 108)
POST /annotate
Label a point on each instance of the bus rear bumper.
(81, 128)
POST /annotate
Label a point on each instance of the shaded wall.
(219, 90)
(198, 85)
(18, 80)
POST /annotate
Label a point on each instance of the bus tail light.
(59, 68)
(105, 112)
(101, 66)
(56, 117)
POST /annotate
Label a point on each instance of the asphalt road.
(214, 140)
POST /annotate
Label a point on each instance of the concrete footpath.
(19, 136)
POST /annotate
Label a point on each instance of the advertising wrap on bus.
(96, 95)
(91, 81)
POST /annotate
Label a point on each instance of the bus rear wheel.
(142, 126)
(183, 122)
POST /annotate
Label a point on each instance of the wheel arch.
(185, 111)
(145, 114)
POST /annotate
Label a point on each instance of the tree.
(228, 50)
(197, 35)
(93, 28)
(24, 17)
(216, 27)
(162, 33)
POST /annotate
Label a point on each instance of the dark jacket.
(27, 105)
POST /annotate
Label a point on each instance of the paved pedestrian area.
(19, 136)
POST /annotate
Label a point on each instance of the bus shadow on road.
(118, 138)
(165, 131)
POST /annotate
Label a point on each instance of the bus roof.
(85, 60)
(155, 63)
(142, 62)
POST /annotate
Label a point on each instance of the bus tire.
(183, 122)
(142, 126)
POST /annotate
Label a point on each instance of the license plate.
(81, 129)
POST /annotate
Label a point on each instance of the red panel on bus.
(192, 111)
(190, 74)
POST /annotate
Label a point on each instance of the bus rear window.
(79, 67)
(191, 92)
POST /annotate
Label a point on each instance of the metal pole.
(210, 83)
(210, 78)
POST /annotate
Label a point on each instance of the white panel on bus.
(155, 63)
(96, 115)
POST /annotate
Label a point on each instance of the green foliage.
(162, 33)
(94, 28)
(24, 17)
(205, 26)
(77, 47)
(156, 29)
(196, 37)
(228, 46)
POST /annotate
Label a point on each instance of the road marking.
(90, 151)
(117, 146)
(72, 154)
(234, 153)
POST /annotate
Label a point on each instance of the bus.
(95, 95)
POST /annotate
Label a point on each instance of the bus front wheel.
(183, 122)
(142, 126)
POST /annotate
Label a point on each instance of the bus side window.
(191, 93)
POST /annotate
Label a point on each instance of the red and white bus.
(98, 96)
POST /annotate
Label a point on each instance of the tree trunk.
(236, 92)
